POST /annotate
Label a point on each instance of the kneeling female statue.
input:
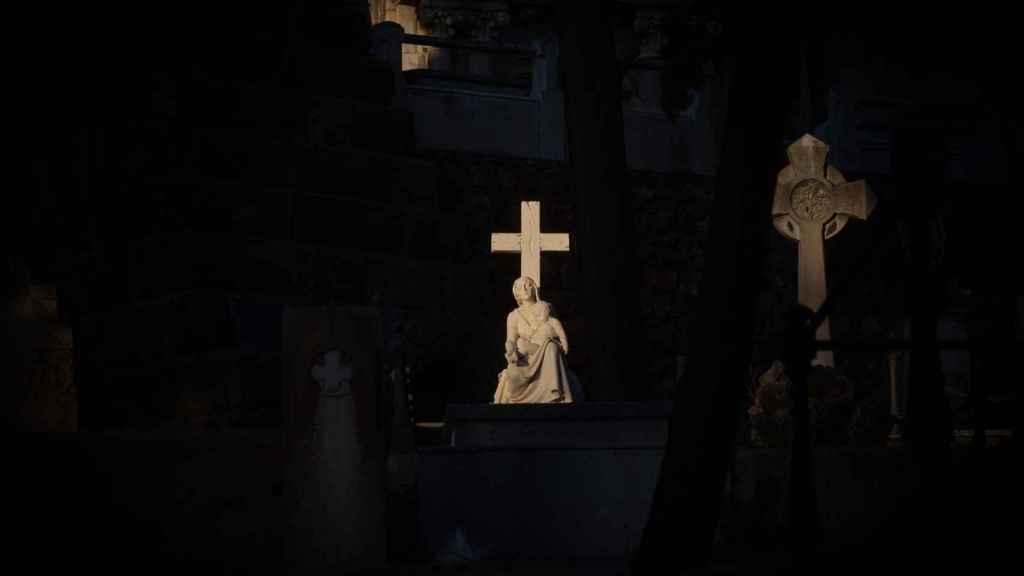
(535, 348)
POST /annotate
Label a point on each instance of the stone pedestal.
(542, 481)
(584, 425)
(575, 483)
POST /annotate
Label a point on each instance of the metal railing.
(420, 40)
(532, 52)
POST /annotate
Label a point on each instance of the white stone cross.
(812, 203)
(333, 374)
(530, 242)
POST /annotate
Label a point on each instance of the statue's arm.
(511, 335)
(560, 332)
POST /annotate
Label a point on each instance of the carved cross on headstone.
(530, 242)
(333, 374)
(812, 203)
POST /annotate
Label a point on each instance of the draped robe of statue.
(536, 372)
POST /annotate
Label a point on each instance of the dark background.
(164, 182)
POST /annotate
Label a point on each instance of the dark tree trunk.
(919, 167)
(702, 437)
(592, 83)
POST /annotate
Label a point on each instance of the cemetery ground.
(213, 503)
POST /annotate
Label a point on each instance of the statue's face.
(523, 290)
(522, 295)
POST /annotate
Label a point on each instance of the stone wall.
(413, 57)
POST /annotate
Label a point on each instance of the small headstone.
(336, 421)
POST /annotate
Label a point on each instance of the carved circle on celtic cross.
(811, 200)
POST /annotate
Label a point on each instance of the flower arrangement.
(830, 403)
(770, 408)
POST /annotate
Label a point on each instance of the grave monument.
(336, 426)
(535, 343)
(529, 475)
(813, 202)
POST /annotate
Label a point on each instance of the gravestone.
(813, 202)
(46, 397)
(336, 419)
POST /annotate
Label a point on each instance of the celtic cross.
(812, 203)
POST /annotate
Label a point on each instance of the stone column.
(386, 48)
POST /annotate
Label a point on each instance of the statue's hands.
(510, 353)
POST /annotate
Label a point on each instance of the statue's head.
(525, 290)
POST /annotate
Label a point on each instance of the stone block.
(588, 424)
(539, 503)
